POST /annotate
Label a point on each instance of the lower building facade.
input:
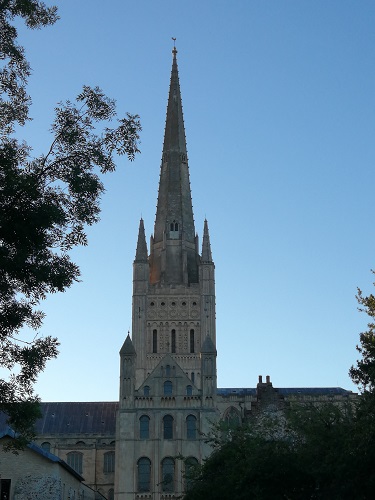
(159, 450)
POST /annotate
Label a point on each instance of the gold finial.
(174, 51)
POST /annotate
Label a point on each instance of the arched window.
(167, 472)
(232, 417)
(173, 340)
(192, 377)
(146, 390)
(192, 343)
(168, 427)
(111, 494)
(144, 427)
(168, 388)
(190, 466)
(191, 427)
(74, 459)
(46, 446)
(109, 462)
(189, 390)
(154, 341)
(173, 226)
(168, 371)
(144, 474)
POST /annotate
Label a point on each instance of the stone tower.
(168, 367)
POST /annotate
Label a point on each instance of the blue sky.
(279, 113)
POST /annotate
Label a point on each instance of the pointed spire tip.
(174, 50)
(141, 251)
(206, 246)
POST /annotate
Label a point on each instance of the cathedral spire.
(141, 252)
(174, 199)
(206, 246)
(174, 136)
(173, 254)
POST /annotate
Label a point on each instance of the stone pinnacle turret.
(141, 252)
(206, 247)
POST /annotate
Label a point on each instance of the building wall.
(232, 404)
(156, 447)
(36, 477)
(93, 450)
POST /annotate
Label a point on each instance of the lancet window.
(168, 427)
(192, 341)
(167, 468)
(144, 474)
(191, 427)
(146, 390)
(109, 462)
(168, 388)
(154, 341)
(74, 459)
(144, 427)
(173, 340)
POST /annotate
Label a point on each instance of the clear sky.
(279, 108)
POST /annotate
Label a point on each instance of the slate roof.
(236, 391)
(78, 418)
(314, 391)
(100, 417)
(285, 391)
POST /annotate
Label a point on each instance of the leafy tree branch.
(46, 202)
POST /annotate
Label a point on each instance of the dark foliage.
(322, 451)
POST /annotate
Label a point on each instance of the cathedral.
(168, 395)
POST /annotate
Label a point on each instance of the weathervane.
(174, 51)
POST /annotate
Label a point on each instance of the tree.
(305, 453)
(252, 461)
(325, 449)
(313, 451)
(46, 202)
(363, 374)
(14, 100)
